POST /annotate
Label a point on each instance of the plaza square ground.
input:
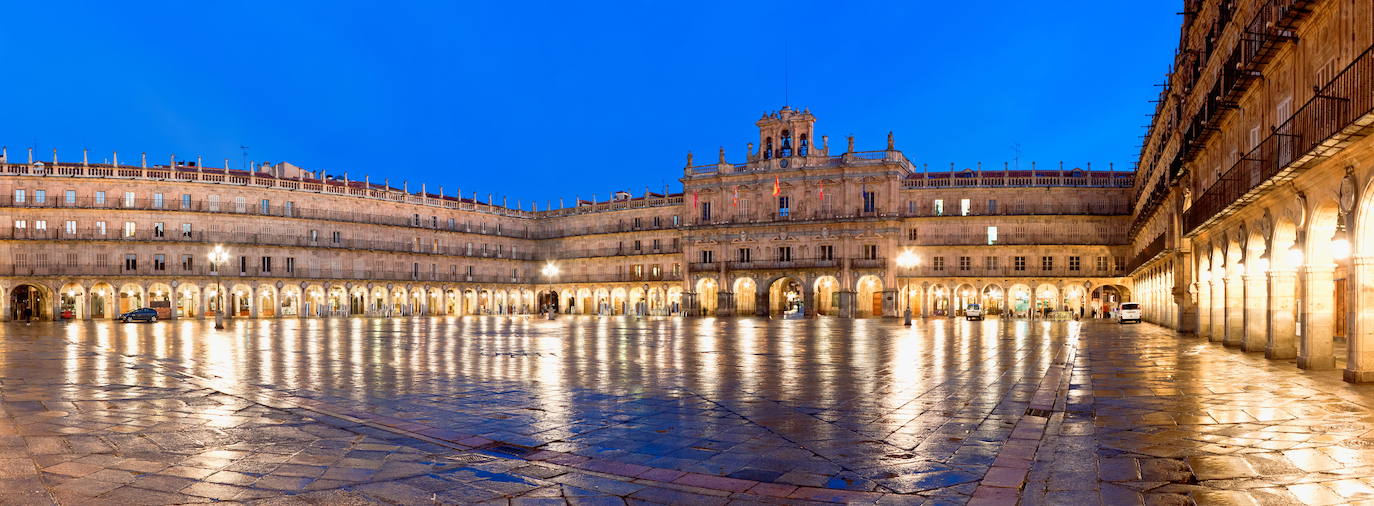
(681, 411)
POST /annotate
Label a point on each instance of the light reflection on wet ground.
(859, 405)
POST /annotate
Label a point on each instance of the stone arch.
(71, 304)
(316, 300)
(657, 301)
(355, 301)
(1020, 299)
(618, 300)
(994, 299)
(584, 301)
(675, 299)
(102, 300)
(265, 300)
(785, 293)
(869, 292)
(188, 300)
(963, 295)
(292, 300)
(238, 301)
(378, 301)
(131, 297)
(827, 300)
(941, 302)
(706, 296)
(745, 289)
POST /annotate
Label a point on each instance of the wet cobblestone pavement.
(696, 411)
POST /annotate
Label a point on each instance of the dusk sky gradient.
(543, 100)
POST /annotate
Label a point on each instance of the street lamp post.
(218, 257)
(906, 261)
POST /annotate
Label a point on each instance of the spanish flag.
(777, 186)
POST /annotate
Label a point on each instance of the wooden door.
(878, 304)
(1339, 312)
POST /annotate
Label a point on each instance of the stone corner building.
(1244, 222)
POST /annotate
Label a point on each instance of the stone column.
(925, 300)
(809, 300)
(1282, 324)
(86, 304)
(1256, 312)
(846, 304)
(761, 302)
(1360, 364)
(1235, 309)
(276, 305)
(725, 303)
(1315, 347)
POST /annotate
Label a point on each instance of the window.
(656, 271)
(705, 211)
(188, 262)
(658, 221)
(911, 234)
(469, 249)
(100, 198)
(70, 196)
(19, 196)
(677, 269)
(185, 201)
(157, 201)
(637, 223)
(70, 226)
(1018, 263)
(1102, 264)
(289, 209)
(870, 201)
(1075, 263)
(266, 264)
(130, 262)
(265, 207)
(129, 229)
(963, 207)
(100, 228)
(784, 253)
(128, 199)
(965, 263)
(911, 207)
(637, 271)
(40, 224)
(40, 196)
(240, 205)
(158, 230)
(677, 220)
(939, 207)
(655, 244)
(415, 220)
(243, 265)
(1046, 263)
(826, 252)
(990, 263)
(992, 235)
(992, 206)
(1119, 263)
(20, 224)
(706, 256)
(784, 207)
(338, 237)
(186, 230)
(452, 225)
(937, 263)
(290, 264)
(637, 245)
(314, 235)
(159, 262)
(870, 252)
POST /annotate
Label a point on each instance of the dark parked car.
(146, 314)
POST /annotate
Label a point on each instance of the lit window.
(992, 235)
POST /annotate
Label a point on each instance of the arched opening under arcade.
(785, 296)
(869, 297)
(30, 302)
(745, 289)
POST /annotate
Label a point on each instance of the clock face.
(783, 164)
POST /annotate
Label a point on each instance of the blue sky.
(543, 100)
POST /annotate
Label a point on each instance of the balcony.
(1341, 111)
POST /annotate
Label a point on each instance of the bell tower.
(786, 133)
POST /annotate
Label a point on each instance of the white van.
(1128, 312)
(973, 312)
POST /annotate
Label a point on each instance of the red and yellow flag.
(777, 186)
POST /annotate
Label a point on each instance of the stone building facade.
(1251, 220)
(792, 229)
